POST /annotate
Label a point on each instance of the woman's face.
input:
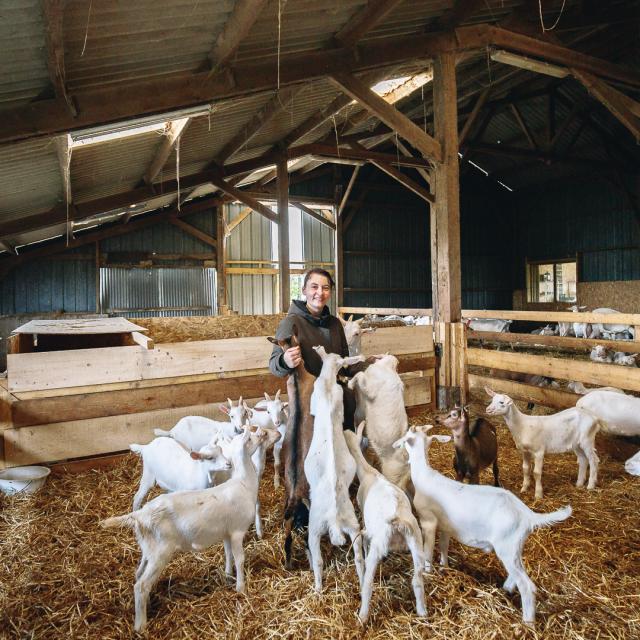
(317, 292)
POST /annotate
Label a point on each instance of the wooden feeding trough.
(73, 393)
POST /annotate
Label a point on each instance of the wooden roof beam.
(8, 247)
(63, 150)
(393, 118)
(53, 11)
(193, 231)
(364, 21)
(523, 125)
(239, 23)
(175, 130)
(58, 246)
(347, 193)
(278, 103)
(246, 199)
(462, 10)
(314, 214)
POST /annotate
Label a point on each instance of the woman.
(316, 326)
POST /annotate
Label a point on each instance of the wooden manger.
(68, 404)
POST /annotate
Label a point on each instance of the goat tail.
(162, 433)
(404, 527)
(546, 519)
(128, 520)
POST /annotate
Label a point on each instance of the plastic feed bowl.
(23, 479)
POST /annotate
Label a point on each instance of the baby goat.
(480, 516)
(569, 430)
(389, 522)
(195, 432)
(476, 445)
(193, 521)
(168, 464)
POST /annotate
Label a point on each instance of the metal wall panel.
(158, 291)
(49, 286)
(591, 219)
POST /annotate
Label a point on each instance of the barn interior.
(182, 163)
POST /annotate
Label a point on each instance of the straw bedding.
(62, 576)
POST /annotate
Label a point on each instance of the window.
(552, 281)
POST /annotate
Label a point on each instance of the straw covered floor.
(62, 576)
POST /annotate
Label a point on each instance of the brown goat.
(295, 447)
(476, 445)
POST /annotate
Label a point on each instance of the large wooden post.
(221, 275)
(445, 227)
(283, 234)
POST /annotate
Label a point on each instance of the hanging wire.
(555, 24)
(86, 32)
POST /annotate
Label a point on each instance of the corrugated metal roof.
(23, 71)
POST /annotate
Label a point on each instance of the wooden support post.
(283, 233)
(221, 274)
(445, 237)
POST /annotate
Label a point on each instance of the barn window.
(552, 281)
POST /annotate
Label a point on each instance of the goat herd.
(212, 470)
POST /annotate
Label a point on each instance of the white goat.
(353, 332)
(580, 329)
(632, 465)
(489, 324)
(258, 458)
(380, 398)
(268, 414)
(600, 353)
(619, 413)
(330, 468)
(168, 464)
(579, 388)
(195, 432)
(389, 522)
(480, 516)
(612, 329)
(625, 359)
(569, 430)
(193, 521)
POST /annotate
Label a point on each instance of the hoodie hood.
(299, 308)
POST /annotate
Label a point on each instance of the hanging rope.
(86, 32)
(555, 24)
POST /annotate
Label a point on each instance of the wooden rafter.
(58, 246)
(105, 104)
(284, 257)
(623, 108)
(347, 192)
(53, 11)
(364, 20)
(5, 245)
(241, 217)
(239, 23)
(393, 118)
(400, 177)
(473, 116)
(461, 11)
(246, 199)
(523, 125)
(193, 231)
(405, 151)
(174, 131)
(276, 105)
(314, 214)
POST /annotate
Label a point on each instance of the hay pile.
(191, 328)
(62, 576)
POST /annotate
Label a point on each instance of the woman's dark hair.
(321, 272)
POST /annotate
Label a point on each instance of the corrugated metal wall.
(590, 218)
(251, 240)
(160, 291)
(387, 246)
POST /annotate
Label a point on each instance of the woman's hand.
(292, 357)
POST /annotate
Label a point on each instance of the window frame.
(554, 262)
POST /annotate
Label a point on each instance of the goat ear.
(490, 392)
(440, 438)
(343, 322)
(240, 401)
(230, 401)
(360, 430)
(359, 322)
(223, 408)
(277, 395)
(266, 397)
(285, 405)
(350, 318)
(349, 360)
(272, 340)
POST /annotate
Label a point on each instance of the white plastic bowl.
(23, 479)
